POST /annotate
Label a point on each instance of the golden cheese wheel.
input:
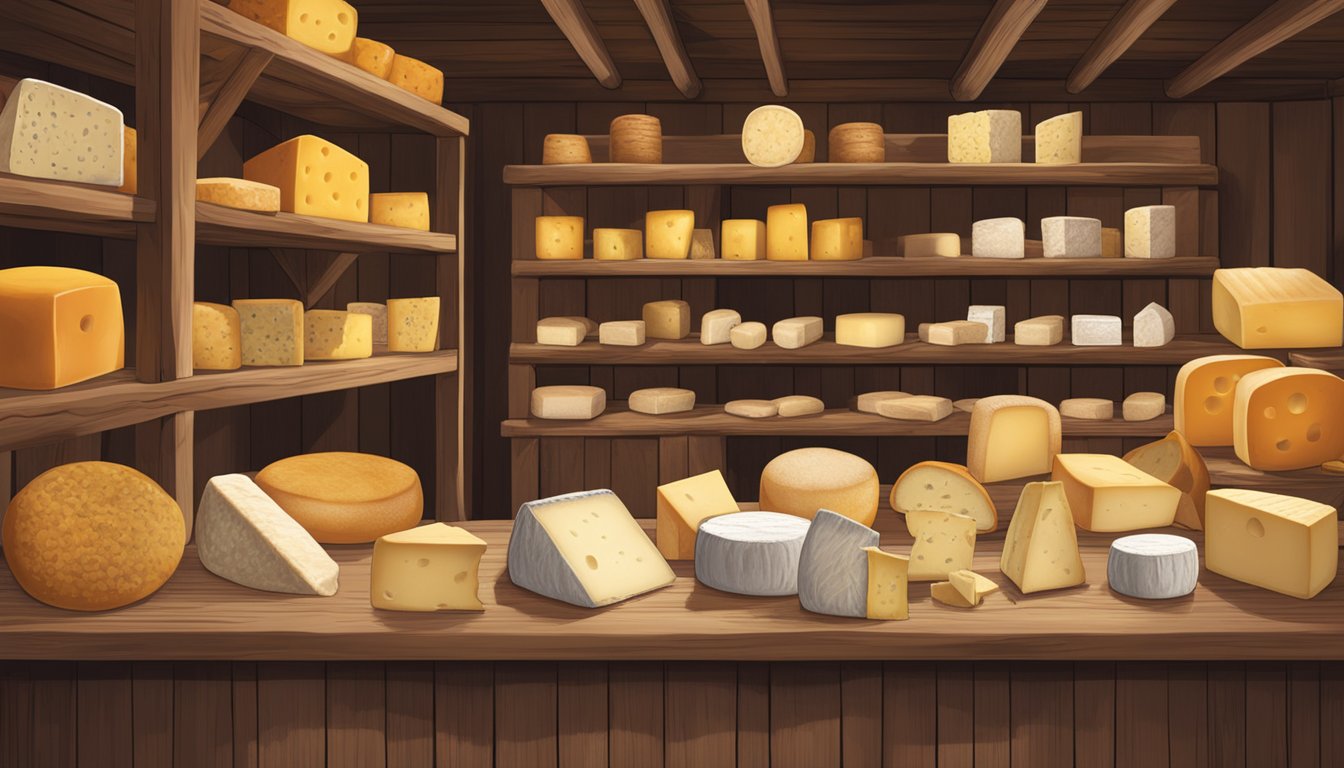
(345, 498)
(805, 480)
(91, 536)
(857, 143)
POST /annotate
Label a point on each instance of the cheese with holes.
(400, 209)
(683, 505)
(333, 334)
(668, 319)
(584, 549)
(272, 331)
(1043, 331)
(1173, 461)
(1154, 326)
(868, 401)
(798, 405)
(413, 324)
(1153, 566)
(1096, 331)
(942, 487)
(837, 239)
(1205, 388)
(1060, 139)
(559, 238)
(568, 401)
(315, 177)
(954, 333)
(1004, 238)
(377, 313)
(943, 542)
(1111, 243)
(870, 329)
(327, 25)
(751, 409)
(786, 232)
(1107, 495)
(371, 56)
(417, 77)
(916, 408)
(702, 244)
(743, 239)
(888, 585)
(432, 567)
(1012, 436)
(1040, 551)
(130, 161)
(772, 136)
(622, 333)
(747, 335)
(239, 193)
(750, 553)
(58, 326)
(1150, 232)
(833, 565)
(50, 132)
(1288, 418)
(667, 234)
(929, 244)
(564, 331)
(987, 136)
(617, 244)
(345, 498)
(1280, 543)
(216, 337)
(1270, 307)
(802, 481)
(657, 401)
(1143, 406)
(990, 316)
(1073, 237)
(796, 332)
(1091, 408)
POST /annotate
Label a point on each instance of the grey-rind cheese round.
(750, 553)
(833, 568)
(1153, 566)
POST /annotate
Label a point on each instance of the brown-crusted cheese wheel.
(857, 143)
(345, 498)
(565, 148)
(636, 139)
(805, 480)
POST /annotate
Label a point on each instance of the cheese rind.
(617, 244)
(751, 409)
(371, 56)
(1150, 232)
(315, 177)
(954, 333)
(804, 480)
(1154, 326)
(431, 567)
(1072, 237)
(50, 132)
(1288, 418)
(796, 332)
(413, 324)
(683, 505)
(942, 487)
(772, 136)
(929, 244)
(887, 595)
(272, 331)
(1096, 331)
(747, 335)
(660, 400)
(667, 234)
(1107, 495)
(58, 326)
(916, 408)
(870, 329)
(786, 232)
(1060, 139)
(327, 25)
(417, 77)
(568, 401)
(1143, 406)
(1091, 408)
(1012, 436)
(1205, 390)
(944, 542)
(1280, 543)
(1004, 238)
(333, 334)
(990, 316)
(1040, 551)
(345, 498)
(1173, 461)
(837, 239)
(239, 193)
(1272, 307)
(1043, 331)
(216, 337)
(559, 238)
(716, 326)
(409, 210)
(1153, 566)
(987, 136)
(742, 239)
(377, 312)
(798, 405)
(667, 319)
(750, 553)
(833, 565)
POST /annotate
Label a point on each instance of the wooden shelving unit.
(217, 225)
(65, 207)
(878, 266)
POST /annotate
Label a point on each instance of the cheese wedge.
(1060, 139)
(327, 25)
(786, 232)
(833, 569)
(1040, 551)
(1012, 436)
(987, 136)
(1173, 461)
(683, 505)
(1280, 543)
(58, 326)
(944, 542)
(1288, 418)
(938, 486)
(315, 177)
(1205, 389)
(432, 567)
(963, 589)
(1108, 495)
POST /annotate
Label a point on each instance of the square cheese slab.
(1107, 494)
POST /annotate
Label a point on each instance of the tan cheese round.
(91, 536)
(345, 498)
(1143, 406)
(799, 405)
(568, 401)
(565, 148)
(805, 480)
(636, 139)
(660, 400)
(857, 143)
(751, 409)
(1094, 408)
(772, 136)
(239, 193)
(868, 401)
(938, 486)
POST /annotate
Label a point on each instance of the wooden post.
(452, 391)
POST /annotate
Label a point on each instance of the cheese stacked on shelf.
(216, 337)
(1040, 551)
(272, 331)
(371, 56)
(58, 326)
(50, 132)
(988, 136)
(333, 334)
(400, 209)
(241, 194)
(432, 567)
(413, 324)
(1280, 543)
(1060, 139)
(325, 25)
(315, 177)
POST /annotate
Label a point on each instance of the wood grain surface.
(879, 266)
(218, 225)
(67, 206)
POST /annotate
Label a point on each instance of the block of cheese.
(1107, 495)
(400, 209)
(315, 177)
(1150, 232)
(833, 565)
(943, 542)
(1073, 237)
(1281, 543)
(1153, 566)
(417, 77)
(837, 239)
(334, 334)
(742, 239)
(990, 316)
(946, 244)
(377, 313)
(809, 153)
(954, 333)
(750, 553)
(560, 237)
(772, 136)
(413, 324)
(50, 132)
(1012, 436)
(751, 409)
(798, 405)
(702, 244)
(1269, 307)
(1154, 326)
(611, 244)
(272, 331)
(327, 25)
(1004, 238)
(1173, 461)
(563, 331)
(565, 148)
(345, 498)
(987, 136)
(584, 549)
(1043, 331)
(371, 56)
(857, 143)
(916, 408)
(432, 567)
(965, 404)
(58, 326)
(938, 486)
(868, 401)
(923, 332)
(216, 337)
(971, 586)
(888, 585)
(1204, 395)
(1090, 408)
(239, 193)
(716, 326)
(1111, 243)
(804, 480)
(130, 162)
(636, 139)
(870, 329)
(667, 234)
(1040, 551)
(786, 232)
(242, 535)
(1060, 139)
(747, 335)
(568, 401)
(1143, 406)
(1288, 418)
(796, 332)
(683, 505)
(661, 400)
(1096, 331)
(667, 319)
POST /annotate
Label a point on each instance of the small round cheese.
(751, 409)
(805, 480)
(772, 136)
(660, 400)
(799, 405)
(750, 553)
(1153, 566)
(345, 498)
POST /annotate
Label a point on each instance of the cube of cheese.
(992, 317)
(657, 401)
(611, 244)
(796, 332)
(1280, 543)
(413, 324)
(1040, 551)
(327, 25)
(50, 132)
(683, 505)
(216, 337)
(1144, 406)
(272, 331)
(1071, 237)
(1004, 238)
(1043, 331)
(747, 335)
(371, 56)
(987, 136)
(945, 244)
(888, 586)
(942, 487)
(400, 209)
(568, 401)
(716, 326)
(1107, 495)
(916, 408)
(1090, 408)
(58, 326)
(564, 331)
(377, 313)
(1154, 326)
(417, 77)
(870, 329)
(1096, 331)
(1288, 418)
(130, 162)
(1267, 307)
(1012, 436)
(622, 333)
(1060, 139)
(1150, 232)
(1111, 243)
(702, 244)
(431, 567)
(743, 239)
(315, 177)
(333, 334)
(1205, 389)
(957, 332)
(669, 319)
(837, 239)
(239, 193)
(559, 237)
(943, 542)
(786, 232)
(667, 234)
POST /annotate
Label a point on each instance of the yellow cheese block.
(669, 319)
(345, 498)
(327, 25)
(1012, 436)
(928, 244)
(239, 193)
(938, 486)
(987, 136)
(1040, 551)
(272, 331)
(559, 237)
(400, 209)
(130, 161)
(1173, 461)
(1108, 495)
(371, 56)
(743, 239)
(683, 505)
(888, 585)
(91, 536)
(802, 481)
(786, 232)
(216, 337)
(377, 312)
(870, 329)
(837, 239)
(944, 542)
(417, 77)
(1280, 543)
(333, 334)
(432, 567)
(315, 177)
(58, 326)
(617, 244)
(1060, 139)
(413, 324)
(1205, 387)
(667, 234)
(1288, 418)
(1271, 307)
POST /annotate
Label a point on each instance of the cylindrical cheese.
(857, 143)
(1143, 406)
(1153, 566)
(805, 480)
(565, 148)
(750, 553)
(809, 153)
(772, 136)
(747, 335)
(799, 405)
(1094, 408)
(660, 400)
(636, 139)
(345, 498)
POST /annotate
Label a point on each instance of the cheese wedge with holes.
(216, 337)
(1205, 391)
(963, 589)
(742, 239)
(942, 487)
(327, 25)
(417, 77)
(431, 567)
(333, 334)
(239, 193)
(888, 585)
(1040, 551)
(772, 136)
(50, 132)
(683, 505)
(944, 542)
(413, 324)
(1060, 139)
(1107, 495)
(315, 177)
(1012, 436)
(58, 326)
(272, 331)
(786, 232)
(1288, 418)
(400, 209)
(1173, 461)
(667, 234)
(1271, 307)
(1280, 543)
(559, 238)
(617, 244)
(371, 56)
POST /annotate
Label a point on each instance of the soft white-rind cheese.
(1153, 566)
(750, 553)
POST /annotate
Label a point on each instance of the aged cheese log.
(58, 326)
(345, 498)
(750, 553)
(568, 401)
(50, 132)
(1271, 307)
(772, 136)
(683, 505)
(1153, 566)
(433, 567)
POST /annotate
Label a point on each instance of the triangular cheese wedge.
(1175, 462)
(833, 568)
(1040, 551)
(683, 505)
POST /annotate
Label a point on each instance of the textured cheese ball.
(345, 498)
(92, 536)
(772, 136)
(805, 480)
(239, 193)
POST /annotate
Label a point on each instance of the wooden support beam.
(658, 15)
(230, 94)
(1275, 24)
(762, 18)
(578, 27)
(1003, 27)
(293, 261)
(327, 280)
(1128, 25)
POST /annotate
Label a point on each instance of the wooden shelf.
(1325, 359)
(118, 400)
(881, 266)
(218, 225)
(66, 207)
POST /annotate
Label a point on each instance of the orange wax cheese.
(1202, 405)
(417, 77)
(345, 498)
(58, 326)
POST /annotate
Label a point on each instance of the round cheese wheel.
(750, 553)
(565, 148)
(1153, 566)
(772, 136)
(803, 481)
(91, 536)
(857, 143)
(345, 498)
(636, 139)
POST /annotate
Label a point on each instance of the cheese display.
(1111, 243)
(371, 56)
(796, 332)
(742, 239)
(50, 132)
(216, 337)
(750, 553)
(1108, 495)
(1154, 326)
(560, 237)
(1270, 307)
(857, 143)
(798, 405)
(315, 177)
(887, 595)
(668, 319)
(809, 153)
(683, 505)
(987, 136)
(584, 549)
(802, 481)
(130, 161)
(92, 536)
(751, 409)
(1012, 436)
(565, 148)
(837, 239)
(1096, 331)
(1288, 418)
(617, 244)
(667, 234)
(747, 335)
(772, 136)
(937, 486)
(990, 316)
(916, 408)
(345, 498)
(1203, 400)
(716, 326)
(327, 25)
(1175, 463)
(1043, 331)
(1040, 551)
(1143, 406)
(242, 535)
(272, 331)
(786, 232)
(657, 401)
(963, 589)
(944, 542)
(417, 77)
(1280, 543)
(868, 401)
(1072, 237)
(58, 326)
(702, 244)
(1150, 232)
(239, 193)
(377, 313)
(1004, 238)
(954, 333)
(870, 329)
(432, 567)
(568, 401)
(409, 210)
(333, 334)
(833, 565)
(1060, 139)
(945, 244)
(636, 139)
(1153, 566)
(413, 324)
(1090, 408)
(564, 331)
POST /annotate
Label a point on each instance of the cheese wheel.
(750, 553)
(636, 139)
(805, 480)
(751, 409)
(799, 405)
(660, 400)
(857, 143)
(1153, 566)
(942, 487)
(565, 148)
(1094, 408)
(772, 136)
(345, 498)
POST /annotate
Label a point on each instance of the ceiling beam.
(1129, 23)
(1003, 27)
(1275, 24)
(658, 16)
(763, 20)
(578, 27)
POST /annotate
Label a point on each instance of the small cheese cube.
(659, 400)
(916, 408)
(1268, 307)
(1096, 331)
(1143, 406)
(1004, 238)
(786, 232)
(868, 401)
(1204, 396)
(1043, 331)
(943, 542)
(1280, 543)
(58, 326)
(413, 324)
(870, 329)
(622, 333)
(1040, 551)
(747, 335)
(617, 244)
(702, 244)
(667, 234)
(743, 239)
(431, 567)
(888, 586)
(417, 77)
(1111, 243)
(716, 326)
(957, 332)
(559, 237)
(1107, 495)
(683, 505)
(796, 332)
(568, 401)
(1091, 408)
(751, 409)
(1154, 326)
(130, 162)
(1060, 139)
(1012, 436)
(371, 56)
(564, 331)
(378, 312)
(1288, 418)
(327, 25)
(990, 316)
(772, 136)
(987, 136)
(400, 209)
(837, 239)
(272, 331)
(1071, 237)
(315, 177)
(239, 193)
(333, 334)
(216, 337)
(798, 405)
(668, 319)
(938, 486)
(1150, 232)
(946, 244)
(50, 132)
